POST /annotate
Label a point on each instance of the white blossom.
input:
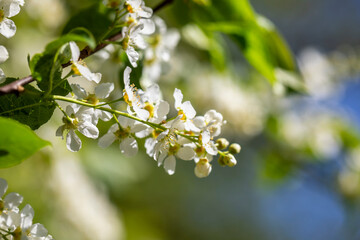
(102, 91)
(80, 119)
(186, 110)
(132, 98)
(4, 55)
(78, 66)
(124, 133)
(212, 121)
(8, 9)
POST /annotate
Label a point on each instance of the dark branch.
(17, 86)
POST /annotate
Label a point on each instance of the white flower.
(212, 121)
(161, 43)
(78, 66)
(132, 98)
(9, 8)
(128, 144)
(202, 168)
(185, 110)
(23, 228)
(138, 8)
(133, 39)
(102, 91)
(12, 200)
(79, 119)
(169, 145)
(157, 108)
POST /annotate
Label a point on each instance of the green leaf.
(47, 69)
(96, 19)
(17, 142)
(79, 34)
(27, 108)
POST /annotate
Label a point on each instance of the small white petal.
(133, 56)
(141, 113)
(86, 73)
(103, 90)
(75, 52)
(73, 142)
(188, 110)
(161, 158)
(211, 148)
(27, 215)
(60, 131)
(169, 164)
(106, 140)
(4, 54)
(205, 137)
(199, 122)
(89, 130)
(150, 146)
(162, 110)
(186, 153)
(202, 169)
(7, 28)
(79, 91)
(129, 147)
(13, 200)
(38, 230)
(178, 96)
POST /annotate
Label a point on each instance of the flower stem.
(71, 100)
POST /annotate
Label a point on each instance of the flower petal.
(106, 140)
(129, 147)
(27, 215)
(79, 91)
(13, 200)
(178, 96)
(89, 130)
(188, 110)
(4, 54)
(7, 28)
(103, 90)
(75, 52)
(73, 142)
(38, 230)
(186, 153)
(169, 164)
(86, 73)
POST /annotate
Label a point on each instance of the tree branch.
(16, 87)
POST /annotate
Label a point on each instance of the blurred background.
(298, 174)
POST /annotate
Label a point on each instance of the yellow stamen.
(150, 108)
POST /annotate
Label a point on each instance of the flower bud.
(221, 161)
(203, 168)
(234, 148)
(230, 160)
(222, 143)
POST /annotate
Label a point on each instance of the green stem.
(65, 99)
(114, 101)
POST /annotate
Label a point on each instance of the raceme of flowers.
(185, 136)
(16, 224)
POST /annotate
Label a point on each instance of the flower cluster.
(8, 9)
(16, 224)
(184, 136)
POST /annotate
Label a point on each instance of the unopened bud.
(230, 160)
(234, 148)
(221, 161)
(203, 168)
(222, 143)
